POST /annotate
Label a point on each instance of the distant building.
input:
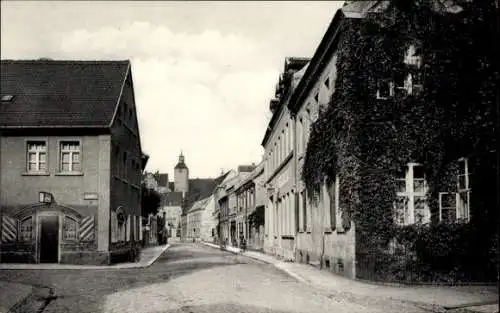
(70, 162)
(250, 193)
(181, 176)
(171, 205)
(178, 197)
(196, 219)
(230, 226)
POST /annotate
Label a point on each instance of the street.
(188, 278)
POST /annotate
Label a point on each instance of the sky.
(203, 72)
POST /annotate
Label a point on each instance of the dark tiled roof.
(221, 178)
(200, 188)
(172, 198)
(51, 93)
(163, 180)
(180, 165)
(246, 168)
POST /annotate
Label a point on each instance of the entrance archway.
(48, 228)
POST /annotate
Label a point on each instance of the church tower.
(181, 176)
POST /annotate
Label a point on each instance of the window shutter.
(9, 229)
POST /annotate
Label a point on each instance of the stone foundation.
(332, 264)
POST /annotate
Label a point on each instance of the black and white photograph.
(249, 156)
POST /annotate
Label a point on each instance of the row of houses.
(318, 230)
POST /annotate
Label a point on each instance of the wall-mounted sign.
(90, 196)
(45, 197)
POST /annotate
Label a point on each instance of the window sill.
(69, 174)
(35, 174)
(308, 232)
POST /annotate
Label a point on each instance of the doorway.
(49, 239)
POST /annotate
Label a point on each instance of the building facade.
(195, 217)
(279, 169)
(171, 206)
(71, 165)
(228, 206)
(250, 196)
(323, 238)
(219, 215)
(208, 223)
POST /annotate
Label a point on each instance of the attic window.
(7, 98)
(327, 82)
(316, 97)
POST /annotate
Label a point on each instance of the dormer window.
(327, 82)
(413, 56)
(7, 98)
(316, 97)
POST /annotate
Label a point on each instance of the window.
(463, 188)
(7, 98)
(411, 204)
(69, 228)
(316, 97)
(447, 206)
(455, 206)
(130, 114)
(333, 191)
(300, 136)
(124, 169)
(37, 156)
(327, 82)
(70, 156)
(26, 229)
(385, 90)
(304, 210)
(413, 56)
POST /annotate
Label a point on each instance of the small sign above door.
(90, 196)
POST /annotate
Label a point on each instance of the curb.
(156, 257)
(425, 306)
(6, 266)
(277, 264)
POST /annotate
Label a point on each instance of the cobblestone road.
(190, 278)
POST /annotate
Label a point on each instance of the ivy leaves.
(454, 114)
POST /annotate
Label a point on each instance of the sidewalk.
(11, 294)
(147, 257)
(479, 298)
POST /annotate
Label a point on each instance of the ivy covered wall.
(450, 113)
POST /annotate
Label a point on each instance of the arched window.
(70, 228)
(26, 229)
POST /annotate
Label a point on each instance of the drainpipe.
(322, 250)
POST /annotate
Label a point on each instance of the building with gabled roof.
(70, 162)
